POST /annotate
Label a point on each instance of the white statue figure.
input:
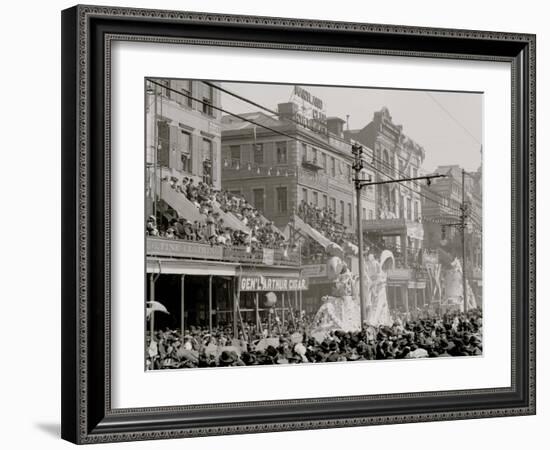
(454, 289)
(340, 311)
(378, 312)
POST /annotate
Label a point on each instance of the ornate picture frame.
(87, 35)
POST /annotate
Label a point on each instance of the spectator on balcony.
(179, 230)
(198, 229)
(151, 227)
(211, 229)
(170, 233)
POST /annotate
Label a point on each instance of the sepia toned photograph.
(304, 224)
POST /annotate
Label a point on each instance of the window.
(371, 214)
(185, 165)
(207, 99)
(258, 156)
(316, 198)
(207, 150)
(165, 91)
(416, 215)
(304, 152)
(163, 143)
(409, 209)
(186, 88)
(185, 155)
(281, 200)
(332, 166)
(281, 152)
(304, 194)
(342, 212)
(325, 201)
(324, 161)
(258, 199)
(350, 216)
(207, 155)
(364, 213)
(333, 204)
(314, 152)
(350, 178)
(235, 153)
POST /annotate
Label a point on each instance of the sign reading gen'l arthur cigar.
(261, 283)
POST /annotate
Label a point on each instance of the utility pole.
(463, 216)
(357, 152)
(358, 166)
(462, 227)
(155, 153)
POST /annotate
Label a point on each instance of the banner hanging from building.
(266, 284)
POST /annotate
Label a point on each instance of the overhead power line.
(282, 117)
(304, 141)
(453, 118)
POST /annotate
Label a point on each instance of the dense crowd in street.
(426, 335)
(213, 229)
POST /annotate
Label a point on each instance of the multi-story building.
(184, 135)
(442, 202)
(398, 208)
(183, 139)
(398, 205)
(294, 159)
(299, 155)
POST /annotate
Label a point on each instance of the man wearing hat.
(179, 229)
(229, 358)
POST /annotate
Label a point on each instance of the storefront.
(268, 297)
(208, 295)
(319, 286)
(195, 293)
(406, 290)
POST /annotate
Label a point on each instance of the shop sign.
(182, 249)
(266, 284)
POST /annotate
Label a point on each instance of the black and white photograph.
(305, 224)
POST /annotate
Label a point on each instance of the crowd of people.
(427, 335)
(326, 222)
(212, 204)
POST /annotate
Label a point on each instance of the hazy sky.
(448, 125)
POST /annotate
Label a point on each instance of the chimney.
(335, 126)
(287, 110)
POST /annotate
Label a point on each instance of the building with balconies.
(441, 205)
(183, 135)
(199, 283)
(276, 172)
(396, 226)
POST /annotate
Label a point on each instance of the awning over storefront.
(300, 225)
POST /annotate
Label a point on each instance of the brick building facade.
(277, 172)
